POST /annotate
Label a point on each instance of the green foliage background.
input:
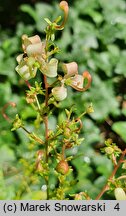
(94, 37)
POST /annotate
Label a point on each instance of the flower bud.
(39, 167)
(119, 194)
(63, 6)
(124, 165)
(30, 98)
(67, 132)
(62, 167)
(90, 109)
(70, 69)
(109, 150)
(17, 123)
(40, 154)
(59, 93)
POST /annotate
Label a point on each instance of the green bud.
(52, 37)
(124, 165)
(109, 150)
(90, 109)
(17, 123)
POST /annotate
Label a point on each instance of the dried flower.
(30, 98)
(63, 6)
(77, 81)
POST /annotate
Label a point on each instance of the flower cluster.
(35, 57)
(71, 78)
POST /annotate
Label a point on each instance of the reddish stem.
(5, 107)
(106, 187)
(28, 84)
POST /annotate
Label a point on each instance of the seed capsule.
(59, 93)
(62, 167)
(119, 194)
(109, 150)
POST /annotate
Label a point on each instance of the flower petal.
(34, 49)
(50, 69)
(77, 81)
(70, 69)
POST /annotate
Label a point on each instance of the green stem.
(33, 136)
(46, 131)
(38, 104)
(28, 132)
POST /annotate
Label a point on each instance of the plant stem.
(38, 104)
(46, 131)
(106, 187)
(33, 136)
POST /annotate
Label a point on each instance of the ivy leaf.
(121, 65)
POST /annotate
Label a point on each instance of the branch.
(106, 187)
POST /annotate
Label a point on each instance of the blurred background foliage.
(94, 37)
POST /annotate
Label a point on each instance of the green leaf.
(29, 10)
(7, 155)
(34, 195)
(120, 129)
(48, 21)
(121, 65)
(41, 11)
(102, 93)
